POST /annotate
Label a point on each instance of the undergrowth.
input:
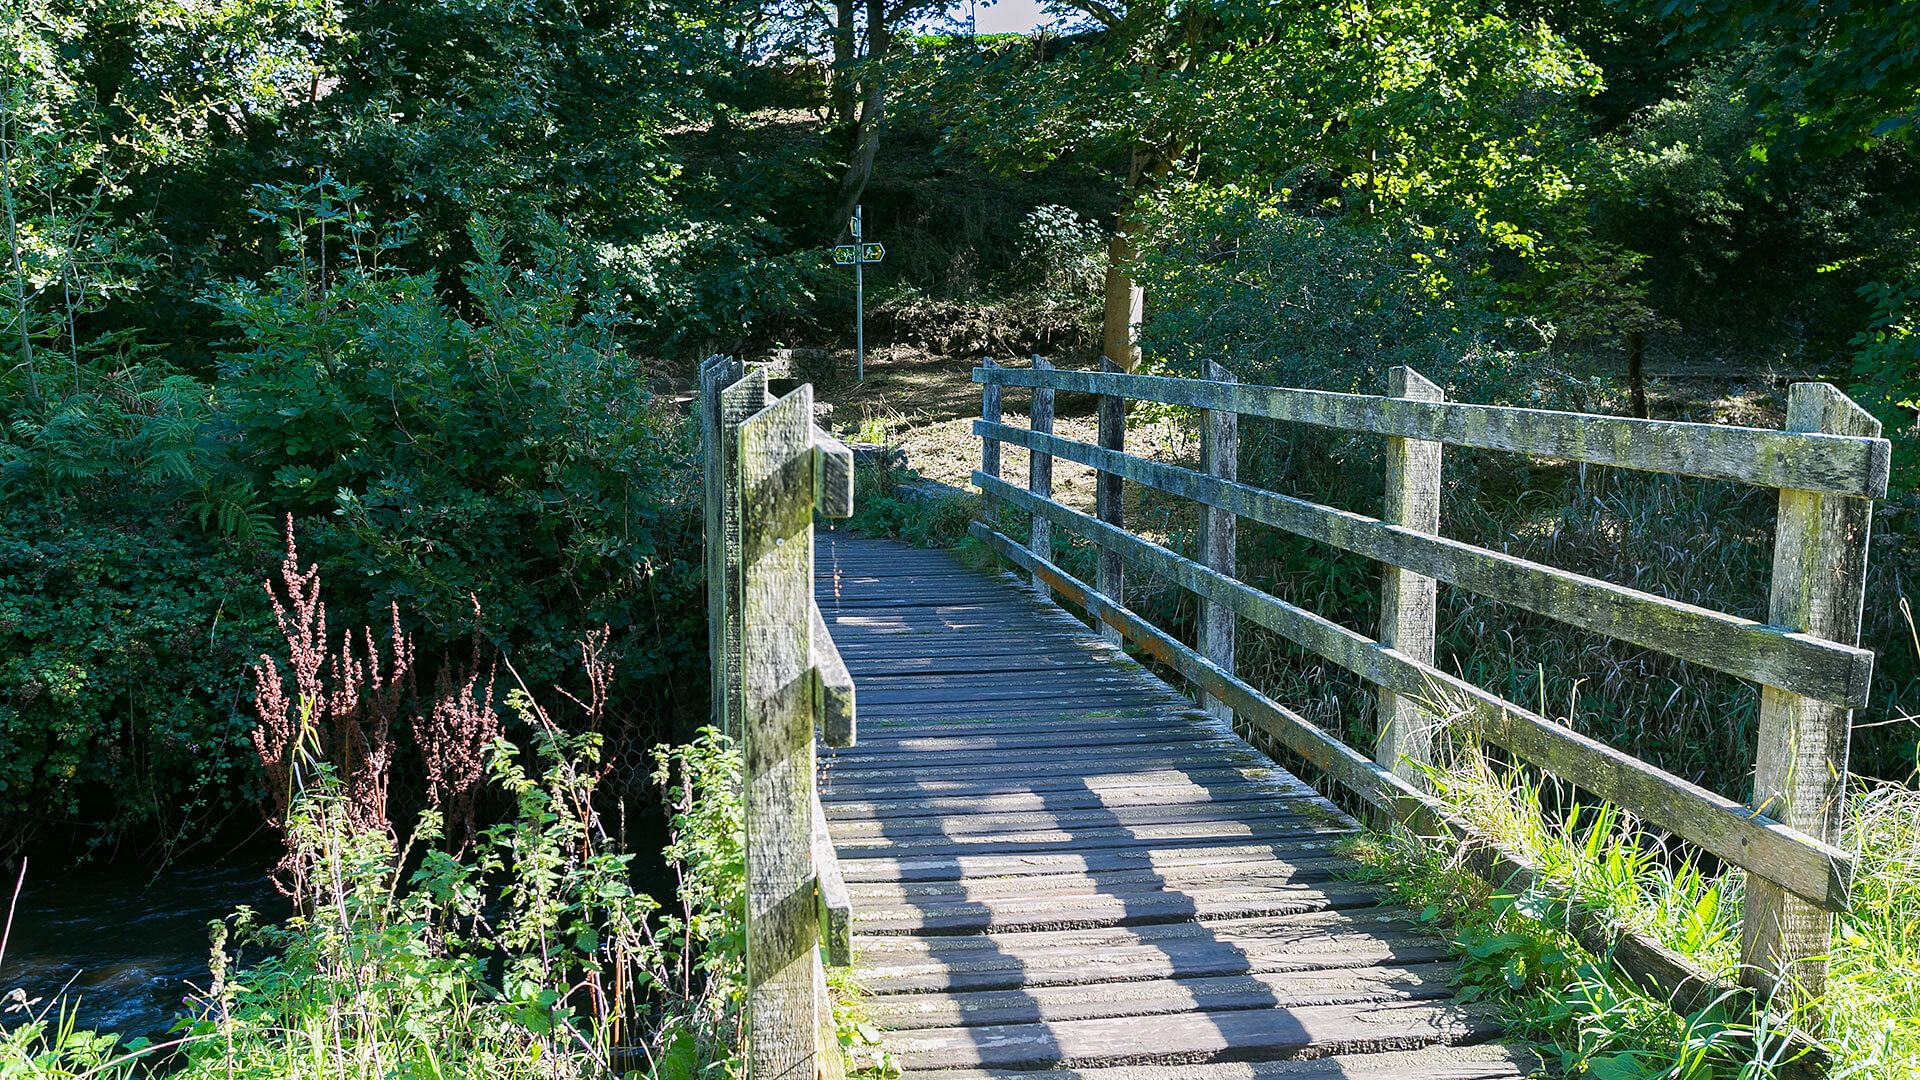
(1588, 1019)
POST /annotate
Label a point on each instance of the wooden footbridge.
(1039, 857)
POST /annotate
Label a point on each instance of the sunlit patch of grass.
(1866, 1023)
(1872, 1000)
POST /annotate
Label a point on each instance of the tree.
(1439, 112)
(1826, 77)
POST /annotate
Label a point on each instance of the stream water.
(123, 944)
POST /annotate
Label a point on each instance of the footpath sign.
(859, 255)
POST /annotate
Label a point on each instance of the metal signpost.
(858, 255)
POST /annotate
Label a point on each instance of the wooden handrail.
(768, 469)
(1806, 665)
(1806, 461)
(1811, 868)
(1654, 967)
(1829, 464)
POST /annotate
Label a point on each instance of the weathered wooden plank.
(1236, 1035)
(1800, 773)
(1770, 655)
(1040, 471)
(1162, 997)
(1332, 940)
(836, 904)
(1109, 496)
(1030, 740)
(1652, 965)
(930, 787)
(1090, 838)
(1021, 759)
(1032, 801)
(1113, 906)
(1481, 1062)
(1310, 868)
(832, 476)
(1408, 599)
(833, 693)
(1829, 464)
(1219, 529)
(717, 373)
(1070, 819)
(736, 401)
(1810, 868)
(966, 867)
(783, 985)
(990, 412)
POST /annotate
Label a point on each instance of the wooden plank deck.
(1057, 863)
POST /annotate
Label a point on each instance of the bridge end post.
(1220, 458)
(1800, 769)
(1109, 502)
(990, 412)
(1040, 475)
(778, 484)
(1407, 599)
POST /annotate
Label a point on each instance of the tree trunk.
(1126, 298)
(873, 118)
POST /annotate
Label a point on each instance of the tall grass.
(1515, 949)
(1872, 1005)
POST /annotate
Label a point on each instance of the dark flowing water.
(127, 944)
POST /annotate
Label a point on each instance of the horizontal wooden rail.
(836, 905)
(1806, 461)
(832, 687)
(832, 476)
(1814, 870)
(1802, 663)
(1653, 966)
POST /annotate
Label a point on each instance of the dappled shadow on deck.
(1056, 861)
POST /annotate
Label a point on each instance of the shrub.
(122, 646)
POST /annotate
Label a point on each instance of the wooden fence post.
(1040, 475)
(737, 392)
(1800, 772)
(716, 373)
(1109, 501)
(1407, 599)
(990, 412)
(1219, 457)
(777, 488)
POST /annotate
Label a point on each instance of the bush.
(501, 448)
(122, 646)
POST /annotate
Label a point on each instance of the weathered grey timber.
(1659, 970)
(1408, 599)
(1826, 463)
(990, 411)
(1109, 493)
(777, 563)
(1055, 861)
(735, 392)
(1812, 869)
(716, 374)
(1219, 532)
(778, 679)
(1770, 655)
(1040, 471)
(1800, 773)
(1829, 464)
